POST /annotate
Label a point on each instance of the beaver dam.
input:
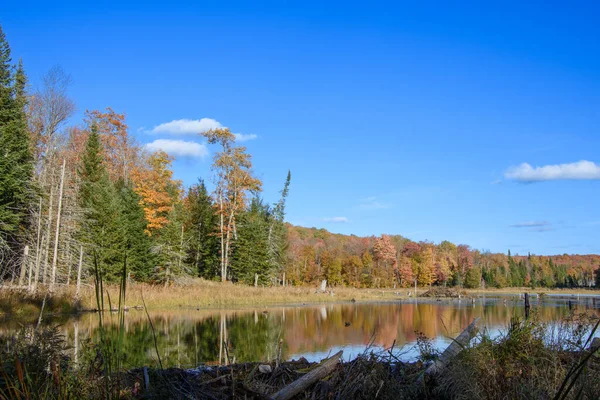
(530, 359)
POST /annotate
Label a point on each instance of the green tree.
(202, 252)
(16, 160)
(473, 278)
(277, 238)
(170, 246)
(100, 229)
(250, 253)
(140, 260)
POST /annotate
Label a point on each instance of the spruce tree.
(100, 229)
(251, 251)
(203, 245)
(16, 161)
(138, 244)
(170, 247)
(277, 235)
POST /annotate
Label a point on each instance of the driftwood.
(453, 349)
(298, 386)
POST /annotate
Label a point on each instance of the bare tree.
(48, 111)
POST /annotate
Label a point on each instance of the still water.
(187, 338)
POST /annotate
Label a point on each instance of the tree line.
(73, 197)
(76, 198)
(395, 261)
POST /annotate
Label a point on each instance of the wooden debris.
(300, 385)
(453, 349)
(146, 378)
(265, 369)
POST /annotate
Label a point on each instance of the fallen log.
(452, 350)
(298, 386)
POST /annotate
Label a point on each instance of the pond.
(187, 338)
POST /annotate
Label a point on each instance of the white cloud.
(371, 203)
(241, 137)
(179, 148)
(187, 126)
(581, 170)
(339, 220)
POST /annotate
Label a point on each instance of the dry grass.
(518, 290)
(201, 293)
(24, 304)
(530, 360)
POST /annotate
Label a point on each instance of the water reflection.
(186, 338)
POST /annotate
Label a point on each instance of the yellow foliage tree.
(233, 182)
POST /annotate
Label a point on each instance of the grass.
(27, 305)
(530, 359)
(200, 293)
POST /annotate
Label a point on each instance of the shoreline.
(207, 295)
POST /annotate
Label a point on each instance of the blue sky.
(393, 118)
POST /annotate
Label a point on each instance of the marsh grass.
(530, 360)
(202, 293)
(26, 305)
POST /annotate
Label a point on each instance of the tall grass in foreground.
(531, 359)
(110, 347)
(34, 363)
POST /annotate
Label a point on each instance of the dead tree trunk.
(48, 227)
(24, 264)
(79, 271)
(38, 263)
(453, 349)
(60, 195)
(68, 263)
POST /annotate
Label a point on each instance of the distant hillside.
(393, 260)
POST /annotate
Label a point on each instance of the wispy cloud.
(534, 226)
(371, 203)
(338, 220)
(241, 137)
(186, 126)
(179, 148)
(581, 170)
(530, 224)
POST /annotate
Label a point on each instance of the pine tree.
(277, 238)
(203, 246)
(473, 278)
(100, 230)
(170, 247)
(16, 162)
(140, 260)
(250, 253)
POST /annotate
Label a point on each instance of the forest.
(84, 199)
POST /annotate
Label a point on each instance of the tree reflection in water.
(189, 337)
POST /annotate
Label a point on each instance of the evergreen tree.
(170, 246)
(250, 252)
(16, 161)
(277, 238)
(203, 245)
(100, 228)
(473, 278)
(140, 260)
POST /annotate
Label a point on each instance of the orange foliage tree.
(157, 190)
(121, 152)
